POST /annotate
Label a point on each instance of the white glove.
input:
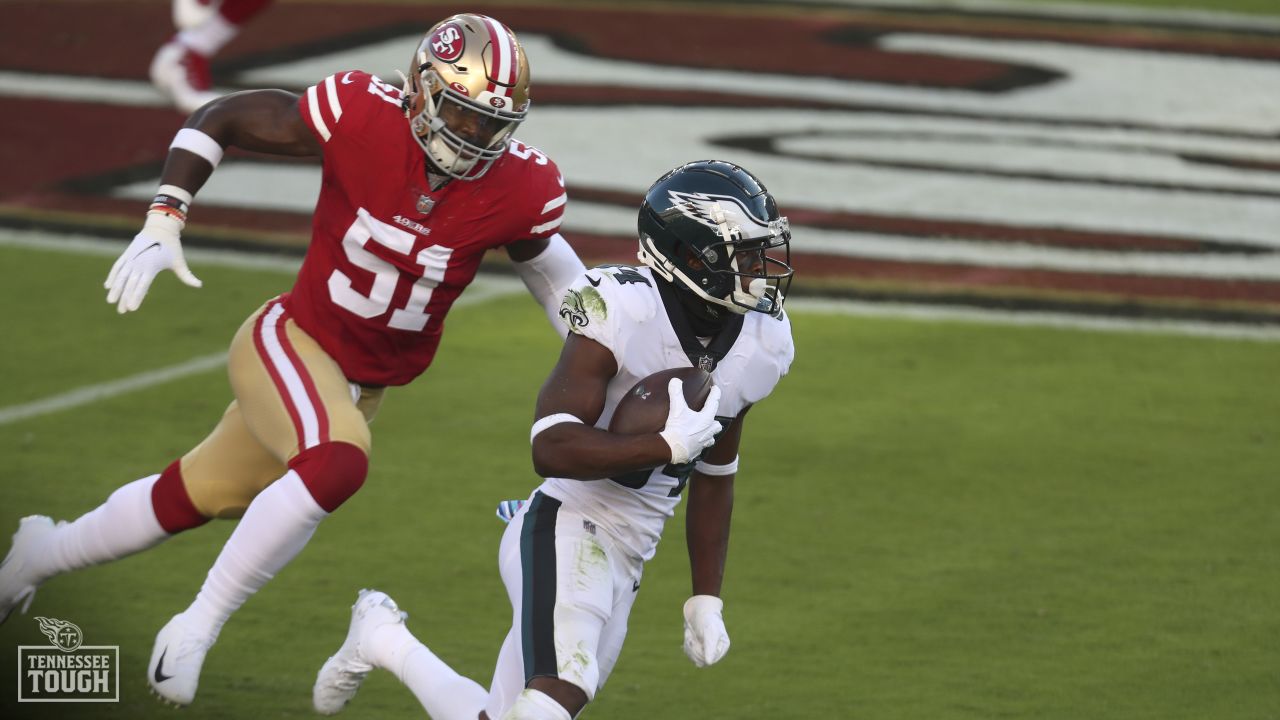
(688, 432)
(154, 249)
(705, 639)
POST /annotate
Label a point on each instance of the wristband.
(197, 142)
(172, 201)
(707, 468)
(550, 420)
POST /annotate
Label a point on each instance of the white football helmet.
(467, 90)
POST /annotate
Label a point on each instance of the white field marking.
(1173, 90)
(606, 219)
(942, 196)
(112, 388)
(483, 289)
(1190, 18)
(84, 89)
(293, 189)
(982, 316)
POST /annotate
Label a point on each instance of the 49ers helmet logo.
(447, 43)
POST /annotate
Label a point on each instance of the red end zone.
(63, 155)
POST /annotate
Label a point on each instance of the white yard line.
(113, 388)
(936, 313)
(1188, 17)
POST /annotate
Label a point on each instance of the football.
(644, 408)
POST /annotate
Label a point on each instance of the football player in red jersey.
(406, 212)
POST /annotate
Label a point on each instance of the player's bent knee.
(539, 702)
(332, 472)
(172, 503)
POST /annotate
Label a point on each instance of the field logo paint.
(67, 670)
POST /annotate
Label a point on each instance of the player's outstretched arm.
(707, 523)
(565, 443)
(262, 121)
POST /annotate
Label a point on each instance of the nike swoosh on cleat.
(594, 282)
(346, 79)
(160, 676)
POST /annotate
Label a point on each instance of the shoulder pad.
(542, 186)
(632, 286)
(775, 338)
(343, 102)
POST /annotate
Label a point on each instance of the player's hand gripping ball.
(644, 408)
(688, 424)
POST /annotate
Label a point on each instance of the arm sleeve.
(548, 276)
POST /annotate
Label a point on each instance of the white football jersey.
(621, 307)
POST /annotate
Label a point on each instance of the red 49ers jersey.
(388, 256)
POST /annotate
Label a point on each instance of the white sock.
(274, 529)
(123, 525)
(210, 36)
(535, 705)
(443, 693)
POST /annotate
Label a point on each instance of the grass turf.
(933, 520)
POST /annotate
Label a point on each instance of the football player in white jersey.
(716, 269)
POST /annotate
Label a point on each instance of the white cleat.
(342, 674)
(176, 659)
(188, 14)
(183, 76)
(18, 579)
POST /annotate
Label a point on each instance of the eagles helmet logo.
(715, 211)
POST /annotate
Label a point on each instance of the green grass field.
(933, 520)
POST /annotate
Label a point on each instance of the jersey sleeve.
(585, 309)
(339, 107)
(545, 197)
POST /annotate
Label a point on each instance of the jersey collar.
(706, 358)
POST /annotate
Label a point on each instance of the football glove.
(689, 432)
(154, 249)
(705, 639)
